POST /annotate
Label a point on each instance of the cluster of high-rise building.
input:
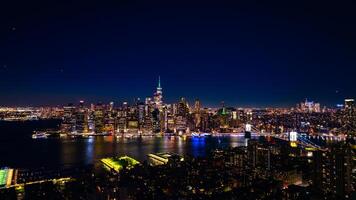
(81, 119)
(334, 171)
(309, 106)
(147, 117)
(152, 116)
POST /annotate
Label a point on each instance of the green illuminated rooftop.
(119, 163)
(3, 176)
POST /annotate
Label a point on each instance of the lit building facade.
(158, 96)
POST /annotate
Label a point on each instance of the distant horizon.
(189, 100)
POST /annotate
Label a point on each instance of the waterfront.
(19, 150)
(49, 167)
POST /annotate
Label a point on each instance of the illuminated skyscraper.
(197, 114)
(99, 118)
(349, 104)
(182, 107)
(197, 106)
(332, 173)
(81, 122)
(309, 106)
(156, 121)
(141, 112)
(158, 95)
(111, 107)
(68, 123)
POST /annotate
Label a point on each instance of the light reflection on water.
(19, 150)
(198, 146)
(99, 147)
(89, 150)
(28, 153)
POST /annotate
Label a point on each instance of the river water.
(19, 150)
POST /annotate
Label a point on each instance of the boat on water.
(76, 134)
(129, 136)
(46, 134)
(102, 134)
(40, 135)
(196, 134)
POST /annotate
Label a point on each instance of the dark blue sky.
(246, 54)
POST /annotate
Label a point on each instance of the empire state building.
(158, 95)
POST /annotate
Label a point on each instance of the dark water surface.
(19, 150)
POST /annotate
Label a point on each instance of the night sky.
(246, 54)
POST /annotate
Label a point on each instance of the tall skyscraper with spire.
(158, 95)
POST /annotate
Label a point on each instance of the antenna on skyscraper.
(159, 81)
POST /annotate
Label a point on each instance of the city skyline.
(246, 54)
